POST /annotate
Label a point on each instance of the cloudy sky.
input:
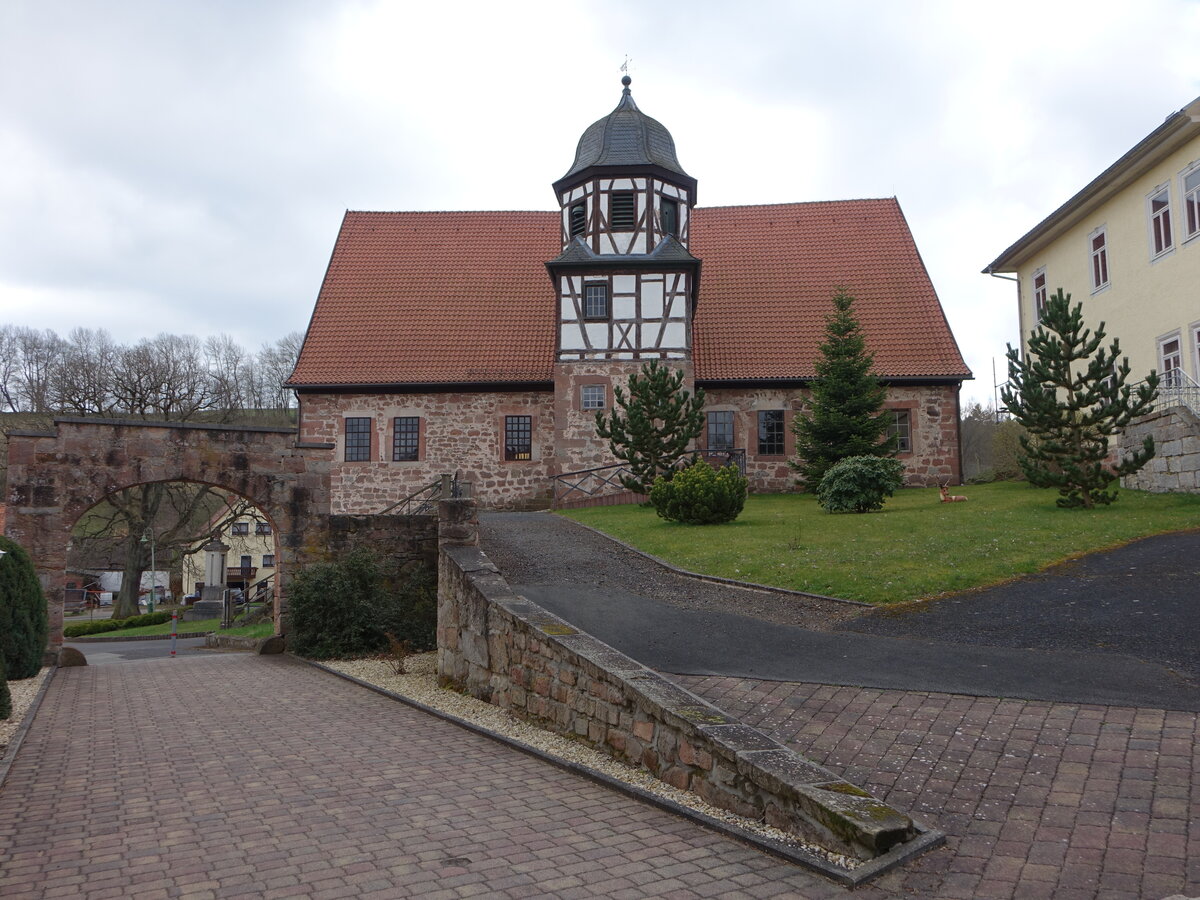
(183, 165)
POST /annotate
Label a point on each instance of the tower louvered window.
(622, 211)
(578, 219)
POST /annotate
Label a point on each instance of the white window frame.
(1042, 293)
(1194, 331)
(1177, 337)
(1191, 201)
(1161, 233)
(588, 404)
(1101, 278)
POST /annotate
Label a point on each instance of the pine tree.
(654, 425)
(845, 416)
(1070, 393)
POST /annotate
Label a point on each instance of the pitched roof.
(463, 297)
(770, 273)
(434, 298)
(1178, 128)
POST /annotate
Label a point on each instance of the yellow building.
(1128, 247)
(250, 559)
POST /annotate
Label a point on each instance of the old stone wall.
(407, 542)
(933, 415)
(459, 432)
(510, 652)
(54, 476)
(1176, 462)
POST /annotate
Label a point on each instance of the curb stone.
(927, 838)
(14, 745)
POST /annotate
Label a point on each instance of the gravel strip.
(420, 684)
(541, 548)
(23, 693)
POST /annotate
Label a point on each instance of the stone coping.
(926, 839)
(106, 638)
(789, 788)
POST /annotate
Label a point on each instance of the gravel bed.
(23, 693)
(420, 683)
(541, 548)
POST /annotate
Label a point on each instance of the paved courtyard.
(258, 776)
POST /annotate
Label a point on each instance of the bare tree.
(178, 515)
(163, 378)
(81, 383)
(275, 364)
(37, 355)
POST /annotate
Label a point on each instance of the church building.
(483, 343)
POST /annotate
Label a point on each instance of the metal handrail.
(603, 480)
(1176, 388)
(421, 502)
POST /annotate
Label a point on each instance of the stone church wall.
(461, 432)
(933, 417)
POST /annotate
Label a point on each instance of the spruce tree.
(24, 627)
(654, 425)
(1069, 392)
(845, 416)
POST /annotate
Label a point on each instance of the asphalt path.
(100, 653)
(1120, 628)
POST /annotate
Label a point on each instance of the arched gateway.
(55, 476)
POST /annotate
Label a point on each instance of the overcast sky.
(183, 165)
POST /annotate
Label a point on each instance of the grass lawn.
(915, 547)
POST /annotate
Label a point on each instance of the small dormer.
(626, 190)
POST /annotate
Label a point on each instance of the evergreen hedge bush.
(79, 629)
(860, 483)
(700, 494)
(347, 608)
(5, 694)
(24, 626)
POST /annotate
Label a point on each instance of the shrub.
(24, 626)
(346, 609)
(5, 694)
(860, 483)
(80, 629)
(700, 494)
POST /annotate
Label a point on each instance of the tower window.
(720, 430)
(358, 439)
(406, 438)
(591, 396)
(669, 215)
(595, 301)
(622, 211)
(578, 216)
(770, 432)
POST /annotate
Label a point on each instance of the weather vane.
(625, 65)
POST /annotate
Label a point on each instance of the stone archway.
(55, 476)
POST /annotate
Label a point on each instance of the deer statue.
(947, 497)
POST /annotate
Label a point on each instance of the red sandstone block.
(643, 729)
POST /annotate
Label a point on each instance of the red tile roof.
(768, 282)
(455, 297)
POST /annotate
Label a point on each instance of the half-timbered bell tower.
(625, 281)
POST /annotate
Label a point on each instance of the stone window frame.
(395, 435)
(356, 450)
(909, 411)
(511, 426)
(587, 387)
(733, 427)
(783, 433)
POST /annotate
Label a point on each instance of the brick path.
(258, 776)
(1037, 799)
